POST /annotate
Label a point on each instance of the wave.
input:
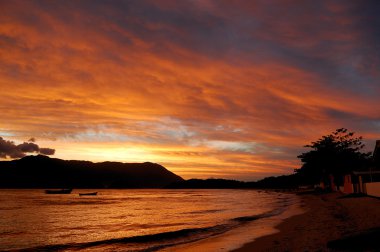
(75, 202)
(154, 242)
(207, 211)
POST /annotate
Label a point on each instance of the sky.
(207, 88)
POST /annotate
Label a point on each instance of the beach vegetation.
(335, 154)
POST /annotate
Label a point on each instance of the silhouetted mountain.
(44, 172)
(281, 182)
(207, 184)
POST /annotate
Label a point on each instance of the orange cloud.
(206, 88)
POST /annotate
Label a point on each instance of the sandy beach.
(330, 223)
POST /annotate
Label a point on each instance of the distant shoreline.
(329, 223)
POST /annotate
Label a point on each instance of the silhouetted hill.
(280, 182)
(207, 184)
(44, 172)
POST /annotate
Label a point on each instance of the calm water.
(128, 220)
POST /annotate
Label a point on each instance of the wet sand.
(329, 223)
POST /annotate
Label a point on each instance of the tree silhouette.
(336, 154)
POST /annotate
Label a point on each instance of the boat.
(88, 194)
(59, 191)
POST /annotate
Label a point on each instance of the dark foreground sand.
(330, 223)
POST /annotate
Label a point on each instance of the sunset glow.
(224, 89)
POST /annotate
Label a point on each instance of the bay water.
(130, 220)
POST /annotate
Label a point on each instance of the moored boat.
(59, 191)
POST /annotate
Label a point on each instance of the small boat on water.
(59, 191)
(88, 194)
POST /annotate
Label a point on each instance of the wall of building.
(373, 189)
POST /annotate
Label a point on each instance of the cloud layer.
(8, 149)
(207, 88)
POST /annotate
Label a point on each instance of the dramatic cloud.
(8, 149)
(207, 88)
(47, 151)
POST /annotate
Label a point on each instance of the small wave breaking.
(154, 242)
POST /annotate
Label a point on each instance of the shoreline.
(330, 223)
(237, 237)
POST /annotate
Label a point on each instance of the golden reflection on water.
(31, 218)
